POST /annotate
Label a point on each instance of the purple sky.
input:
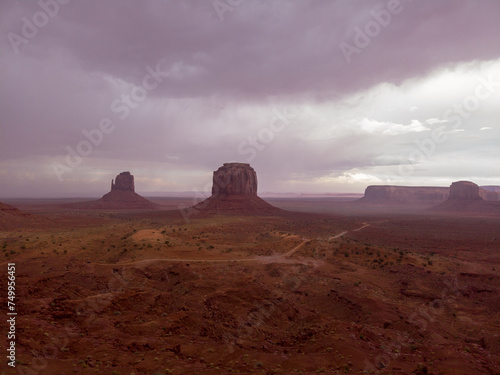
(319, 96)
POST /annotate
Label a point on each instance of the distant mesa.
(426, 195)
(121, 197)
(234, 191)
(389, 194)
(467, 197)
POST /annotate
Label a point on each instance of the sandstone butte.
(465, 196)
(234, 191)
(122, 196)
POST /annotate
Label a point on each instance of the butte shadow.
(121, 197)
(234, 192)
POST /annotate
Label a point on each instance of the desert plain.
(323, 285)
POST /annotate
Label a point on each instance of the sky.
(318, 96)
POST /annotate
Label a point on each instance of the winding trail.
(282, 258)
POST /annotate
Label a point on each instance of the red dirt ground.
(106, 292)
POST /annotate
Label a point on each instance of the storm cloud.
(317, 96)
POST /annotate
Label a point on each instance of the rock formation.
(234, 191)
(489, 194)
(464, 190)
(425, 195)
(387, 194)
(235, 179)
(466, 197)
(124, 181)
(121, 196)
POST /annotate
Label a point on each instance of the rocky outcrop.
(124, 181)
(464, 190)
(234, 191)
(389, 194)
(235, 179)
(121, 197)
(425, 195)
(466, 197)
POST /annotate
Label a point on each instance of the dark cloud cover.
(223, 79)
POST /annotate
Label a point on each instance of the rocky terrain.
(122, 196)
(234, 190)
(135, 292)
(11, 217)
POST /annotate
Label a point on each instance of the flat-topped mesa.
(124, 181)
(464, 190)
(390, 194)
(234, 179)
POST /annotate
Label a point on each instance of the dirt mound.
(11, 217)
(121, 197)
(234, 191)
(235, 204)
(6, 209)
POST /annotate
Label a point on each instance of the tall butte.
(234, 191)
(121, 196)
(466, 196)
